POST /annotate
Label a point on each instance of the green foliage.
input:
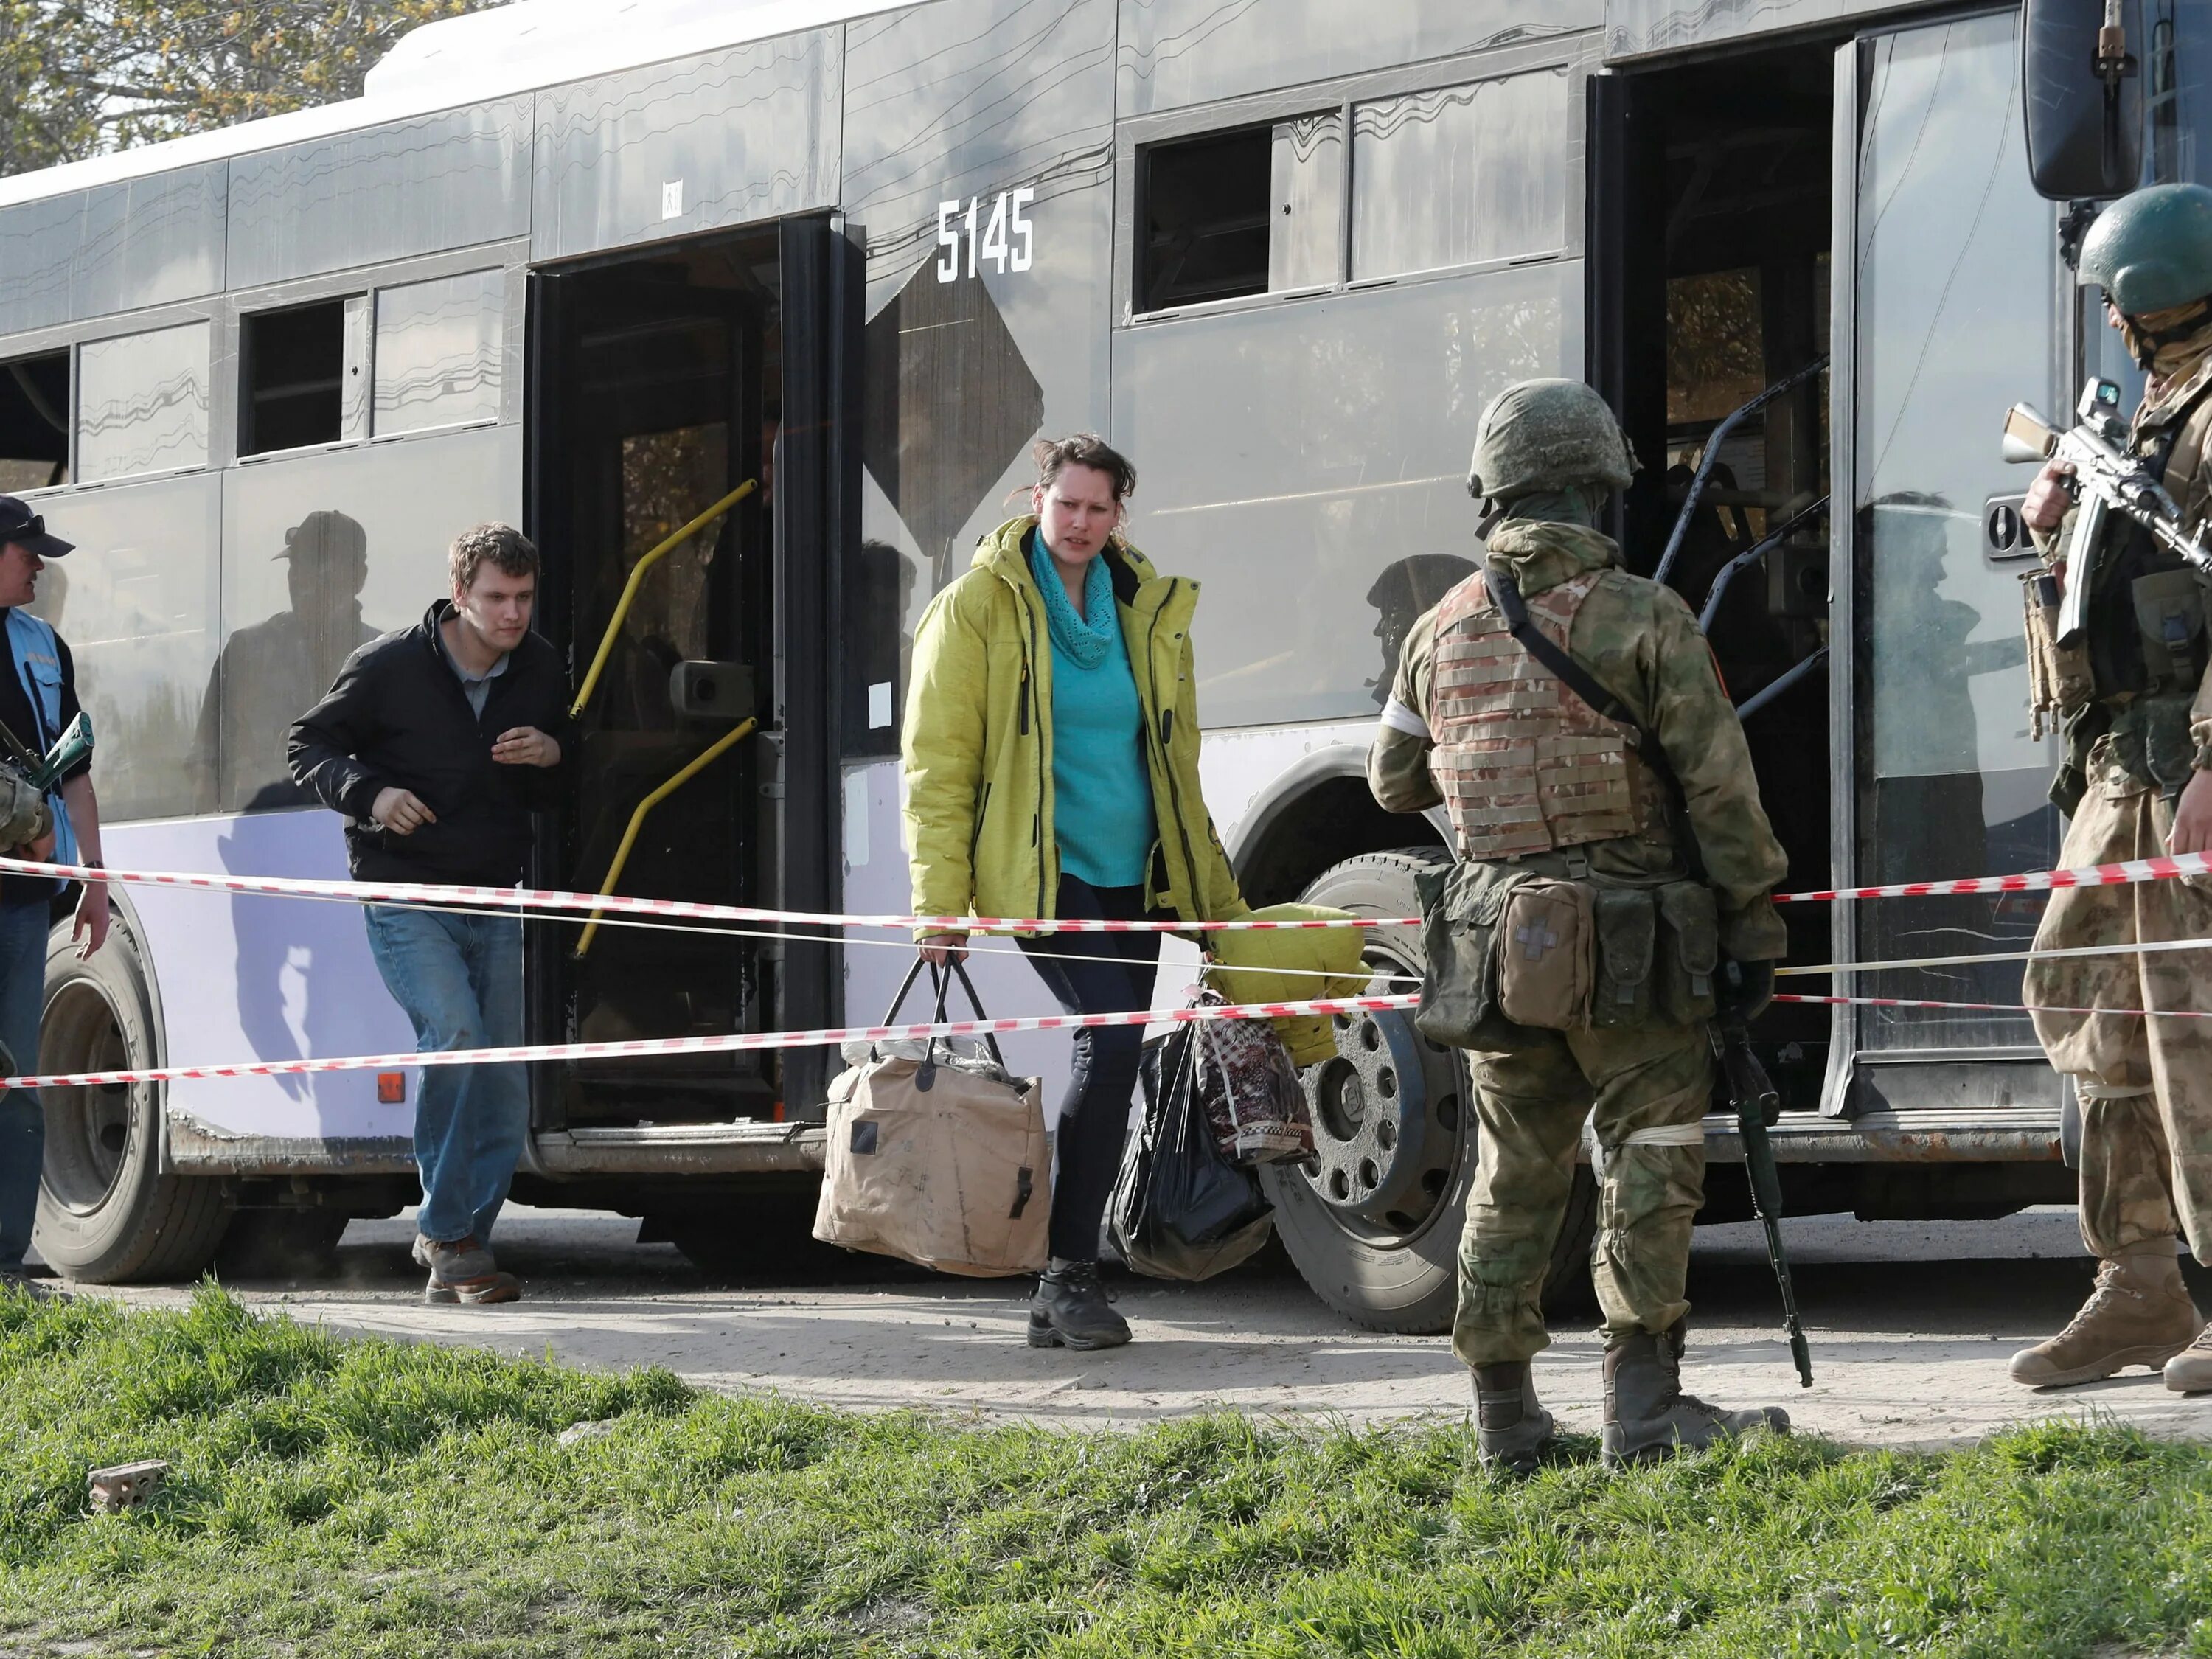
(80, 76)
(374, 1498)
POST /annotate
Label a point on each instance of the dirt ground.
(1910, 1323)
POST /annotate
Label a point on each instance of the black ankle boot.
(1071, 1310)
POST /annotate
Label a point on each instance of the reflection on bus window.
(137, 607)
(440, 349)
(142, 403)
(1459, 175)
(1400, 594)
(321, 552)
(34, 404)
(273, 670)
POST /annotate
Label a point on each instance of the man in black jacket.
(437, 742)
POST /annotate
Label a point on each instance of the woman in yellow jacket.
(1051, 750)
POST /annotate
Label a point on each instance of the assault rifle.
(41, 771)
(2107, 480)
(1758, 1103)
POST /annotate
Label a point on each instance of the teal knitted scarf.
(1086, 639)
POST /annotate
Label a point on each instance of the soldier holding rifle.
(2123, 668)
(1618, 865)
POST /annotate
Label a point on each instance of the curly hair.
(1055, 455)
(507, 547)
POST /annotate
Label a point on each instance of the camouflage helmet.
(2152, 249)
(1547, 434)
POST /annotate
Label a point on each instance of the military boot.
(2189, 1372)
(1511, 1430)
(1071, 1309)
(2139, 1314)
(1647, 1415)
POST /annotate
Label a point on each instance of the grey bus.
(589, 266)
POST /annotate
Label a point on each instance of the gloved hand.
(1743, 990)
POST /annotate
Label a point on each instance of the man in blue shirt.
(38, 701)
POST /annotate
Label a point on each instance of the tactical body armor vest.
(1523, 764)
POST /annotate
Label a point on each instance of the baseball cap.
(18, 524)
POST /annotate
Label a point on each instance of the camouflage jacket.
(2178, 378)
(1641, 642)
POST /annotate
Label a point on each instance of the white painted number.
(1024, 232)
(948, 238)
(1007, 240)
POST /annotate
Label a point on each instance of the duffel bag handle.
(943, 978)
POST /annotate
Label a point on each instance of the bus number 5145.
(1005, 241)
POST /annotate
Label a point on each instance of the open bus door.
(1866, 201)
(664, 381)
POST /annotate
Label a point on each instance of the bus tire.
(108, 1214)
(1398, 1270)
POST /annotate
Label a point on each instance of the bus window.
(136, 602)
(439, 349)
(34, 403)
(142, 403)
(303, 383)
(1459, 175)
(1206, 219)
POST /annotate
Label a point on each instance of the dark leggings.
(1094, 1117)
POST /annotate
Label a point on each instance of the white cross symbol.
(1534, 939)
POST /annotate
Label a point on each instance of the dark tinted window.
(295, 378)
(1206, 219)
(34, 417)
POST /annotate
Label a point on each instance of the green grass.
(365, 1498)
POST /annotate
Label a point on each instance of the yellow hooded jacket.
(978, 742)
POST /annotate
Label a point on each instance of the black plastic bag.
(1181, 1210)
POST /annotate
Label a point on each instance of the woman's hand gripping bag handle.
(938, 1157)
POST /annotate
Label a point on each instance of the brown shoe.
(2189, 1372)
(2140, 1314)
(462, 1270)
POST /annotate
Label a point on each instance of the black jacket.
(397, 716)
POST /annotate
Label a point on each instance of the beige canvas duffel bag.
(938, 1155)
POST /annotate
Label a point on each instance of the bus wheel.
(1373, 1219)
(106, 1214)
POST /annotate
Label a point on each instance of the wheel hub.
(1371, 1121)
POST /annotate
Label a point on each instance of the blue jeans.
(460, 978)
(23, 930)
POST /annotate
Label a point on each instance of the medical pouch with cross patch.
(1543, 944)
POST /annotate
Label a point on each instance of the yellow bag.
(1243, 961)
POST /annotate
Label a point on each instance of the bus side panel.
(1179, 53)
(246, 978)
(1634, 27)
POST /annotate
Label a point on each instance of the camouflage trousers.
(2145, 1085)
(1530, 1107)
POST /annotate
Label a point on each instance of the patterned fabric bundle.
(1250, 1089)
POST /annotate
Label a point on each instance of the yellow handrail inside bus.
(729, 739)
(653, 556)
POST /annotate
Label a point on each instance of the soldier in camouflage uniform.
(1536, 778)
(2134, 702)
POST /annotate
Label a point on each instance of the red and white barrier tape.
(755, 1040)
(527, 898)
(713, 1045)
(2127, 872)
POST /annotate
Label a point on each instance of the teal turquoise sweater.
(1101, 798)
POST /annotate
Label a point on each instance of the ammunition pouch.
(2169, 613)
(2059, 680)
(2149, 740)
(1513, 953)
